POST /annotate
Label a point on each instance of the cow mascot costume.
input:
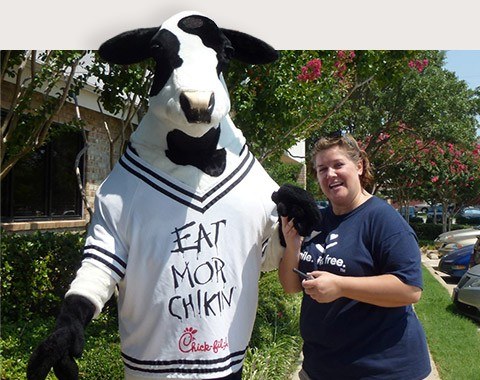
(183, 224)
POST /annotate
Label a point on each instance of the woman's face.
(339, 178)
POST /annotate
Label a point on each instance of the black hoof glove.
(297, 204)
(64, 344)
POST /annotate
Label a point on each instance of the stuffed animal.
(298, 205)
(182, 222)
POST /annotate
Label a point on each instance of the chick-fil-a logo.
(187, 343)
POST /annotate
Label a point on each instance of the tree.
(451, 175)
(289, 100)
(123, 91)
(428, 105)
(27, 125)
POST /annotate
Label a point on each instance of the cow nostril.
(197, 106)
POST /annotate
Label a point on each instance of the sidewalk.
(430, 262)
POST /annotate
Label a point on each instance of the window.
(43, 185)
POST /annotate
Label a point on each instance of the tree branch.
(77, 162)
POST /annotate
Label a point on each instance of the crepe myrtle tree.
(306, 92)
(123, 91)
(411, 167)
(427, 104)
(451, 174)
(42, 82)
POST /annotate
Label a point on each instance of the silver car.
(449, 241)
(466, 295)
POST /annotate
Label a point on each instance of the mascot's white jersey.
(187, 264)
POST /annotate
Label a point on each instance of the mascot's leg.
(64, 343)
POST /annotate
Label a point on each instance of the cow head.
(188, 98)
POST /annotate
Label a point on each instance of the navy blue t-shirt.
(347, 339)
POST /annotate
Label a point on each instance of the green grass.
(100, 360)
(453, 339)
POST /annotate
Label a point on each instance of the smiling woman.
(337, 171)
(365, 264)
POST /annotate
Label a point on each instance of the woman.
(357, 319)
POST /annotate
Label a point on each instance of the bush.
(276, 343)
(427, 231)
(430, 231)
(36, 271)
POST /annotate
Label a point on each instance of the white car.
(422, 207)
(449, 241)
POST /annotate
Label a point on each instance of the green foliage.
(275, 343)
(281, 172)
(18, 341)
(123, 85)
(101, 358)
(27, 125)
(452, 338)
(275, 107)
(427, 231)
(36, 270)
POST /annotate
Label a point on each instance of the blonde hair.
(350, 146)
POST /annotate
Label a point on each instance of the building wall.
(97, 162)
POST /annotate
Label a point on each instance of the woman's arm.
(290, 281)
(384, 290)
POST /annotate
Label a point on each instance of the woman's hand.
(324, 288)
(291, 256)
(385, 290)
(292, 239)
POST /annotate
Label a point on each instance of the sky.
(466, 65)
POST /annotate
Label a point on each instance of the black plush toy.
(299, 205)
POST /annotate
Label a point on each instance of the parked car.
(475, 258)
(436, 212)
(469, 215)
(449, 241)
(456, 263)
(466, 295)
(421, 207)
(412, 214)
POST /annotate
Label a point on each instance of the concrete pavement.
(430, 261)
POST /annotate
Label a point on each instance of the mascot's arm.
(94, 284)
(90, 290)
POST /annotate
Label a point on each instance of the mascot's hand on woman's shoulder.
(298, 204)
(64, 344)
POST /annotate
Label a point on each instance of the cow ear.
(249, 49)
(128, 47)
